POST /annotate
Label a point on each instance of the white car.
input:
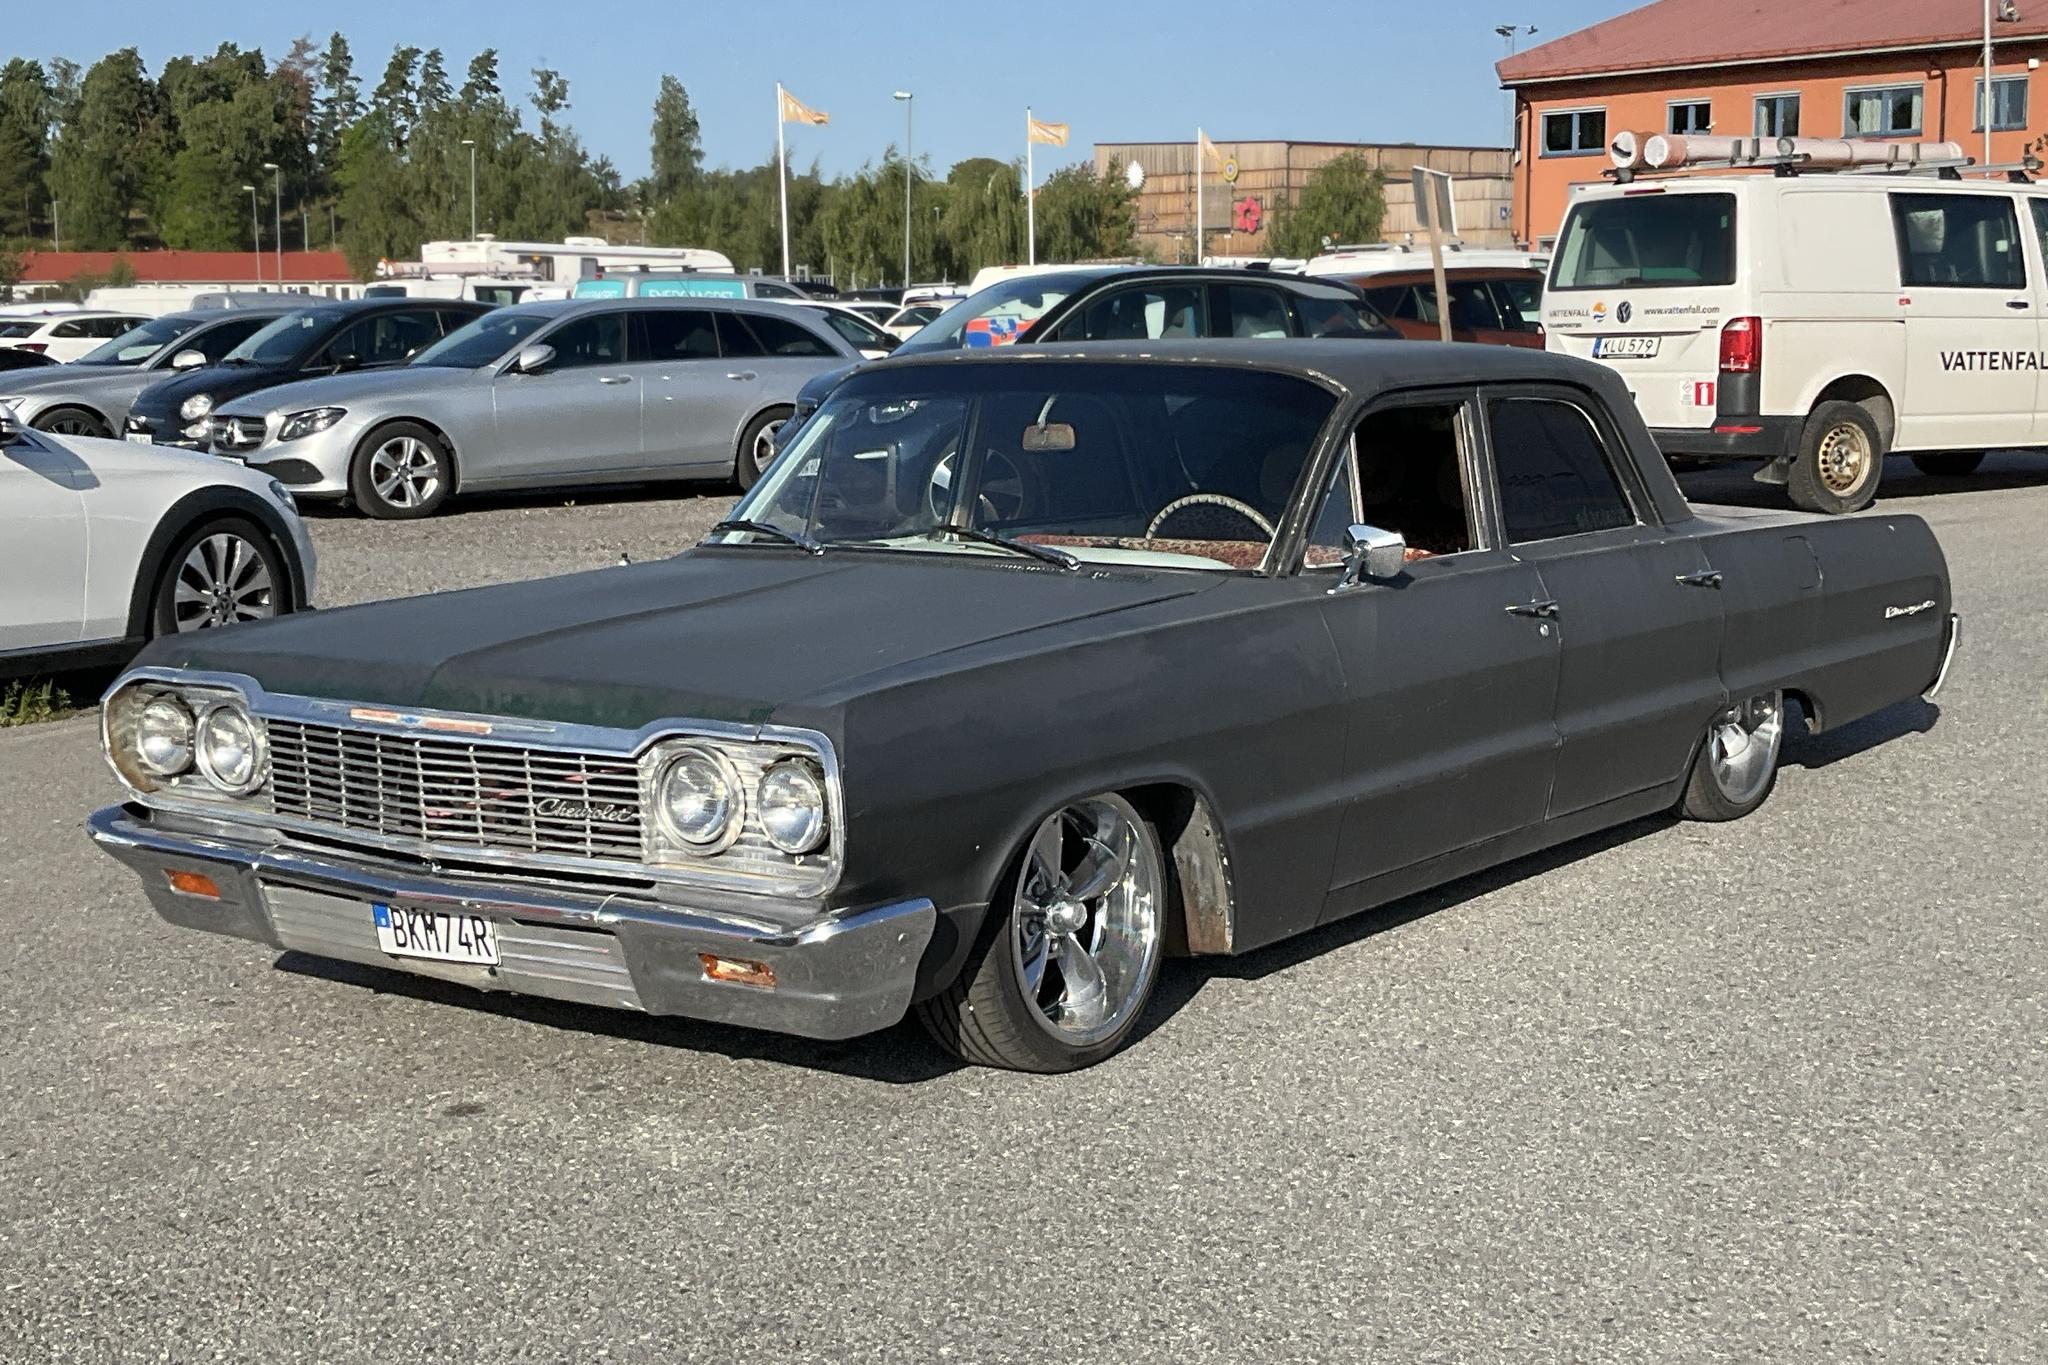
(66, 336)
(907, 321)
(855, 328)
(105, 546)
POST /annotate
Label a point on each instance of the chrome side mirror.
(535, 358)
(1373, 555)
(188, 360)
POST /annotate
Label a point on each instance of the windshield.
(477, 344)
(1114, 463)
(286, 339)
(138, 344)
(997, 316)
(1648, 241)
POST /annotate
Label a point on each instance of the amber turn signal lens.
(738, 971)
(193, 884)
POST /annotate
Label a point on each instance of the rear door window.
(679, 334)
(1648, 241)
(1556, 478)
(1254, 311)
(1958, 241)
(1331, 318)
(1149, 313)
(734, 338)
(785, 337)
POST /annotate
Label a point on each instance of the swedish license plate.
(140, 438)
(441, 935)
(1624, 348)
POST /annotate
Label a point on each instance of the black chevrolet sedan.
(323, 338)
(1018, 675)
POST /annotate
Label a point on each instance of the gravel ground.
(1765, 1091)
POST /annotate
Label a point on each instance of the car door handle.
(1709, 579)
(741, 375)
(615, 379)
(2019, 303)
(1545, 608)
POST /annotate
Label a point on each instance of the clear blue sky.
(1116, 70)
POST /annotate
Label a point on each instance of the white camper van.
(1815, 321)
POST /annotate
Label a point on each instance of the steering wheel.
(1002, 496)
(1229, 505)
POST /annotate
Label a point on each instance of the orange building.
(1905, 69)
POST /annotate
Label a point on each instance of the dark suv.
(1130, 303)
(320, 339)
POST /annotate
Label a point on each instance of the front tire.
(1071, 948)
(1737, 765)
(1948, 464)
(219, 573)
(72, 422)
(1840, 460)
(401, 472)
(757, 446)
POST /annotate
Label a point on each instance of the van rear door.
(1642, 281)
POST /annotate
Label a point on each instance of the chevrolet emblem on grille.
(602, 812)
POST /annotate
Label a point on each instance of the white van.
(1815, 322)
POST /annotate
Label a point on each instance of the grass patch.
(31, 703)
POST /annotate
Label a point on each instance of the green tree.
(100, 159)
(341, 102)
(393, 103)
(480, 85)
(678, 143)
(1083, 216)
(433, 90)
(13, 265)
(24, 145)
(982, 219)
(1343, 199)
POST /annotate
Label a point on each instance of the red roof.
(1676, 34)
(187, 267)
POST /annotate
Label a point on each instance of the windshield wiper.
(762, 528)
(1044, 552)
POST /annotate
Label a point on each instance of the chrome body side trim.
(837, 975)
(1948, 655)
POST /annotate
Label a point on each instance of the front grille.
(454, 792)
(237, 433)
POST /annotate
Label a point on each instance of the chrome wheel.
(405, 471)
(1742, 747)
(764, 442)
(1085, 926)
(1843, 458)
(223, 579)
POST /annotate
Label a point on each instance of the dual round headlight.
(702, 803)
(221, 740)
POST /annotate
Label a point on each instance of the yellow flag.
(1051, 134)
(1209, 152)
(794, 111)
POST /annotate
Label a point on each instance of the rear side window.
(1331, 318)
(735, 339)
(1555, 477)
(782, 337)
(1958, 241)
(1649, 241)
(680, 334)
(1255, 311)
(1144, 314)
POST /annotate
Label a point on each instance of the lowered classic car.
(1020, 673)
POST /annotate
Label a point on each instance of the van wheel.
(757, 446)
(1949, 464)
(1840, 459)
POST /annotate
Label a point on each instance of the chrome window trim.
(810, 876)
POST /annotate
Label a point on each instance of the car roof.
(381, 303)
(1358, 366)
(1384, 278)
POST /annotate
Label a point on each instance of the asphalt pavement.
(1764, 1091)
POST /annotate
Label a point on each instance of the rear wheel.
(1071, 950)
(219, 573)
(757, 446)
(1948, 464)
(72, 422)
(1737, 764)
(1840, 459)
(400, 472)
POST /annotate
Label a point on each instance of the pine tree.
(24, 145)
(678, 144)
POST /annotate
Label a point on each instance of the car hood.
(747, 636)
(61, 376)
(224, 382)
(340, 390)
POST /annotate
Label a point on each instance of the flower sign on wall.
(1247, 215)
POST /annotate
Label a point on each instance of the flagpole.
(1198, 195)
(782, 176)
(1030, 197)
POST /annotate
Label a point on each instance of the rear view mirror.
(188, 359)
(535, 358)
(1373, 555)
(1048, 436)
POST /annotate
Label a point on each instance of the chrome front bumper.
(835, 975)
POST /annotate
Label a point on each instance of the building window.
(2008, 104)
(1576, 132)
(1777, 116)
(1691, 116)
(1883, 111)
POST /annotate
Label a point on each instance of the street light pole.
(56, 228)
(255, 233)
(470, 143)
(1510, 33)
(907, 98)
(277, 221)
